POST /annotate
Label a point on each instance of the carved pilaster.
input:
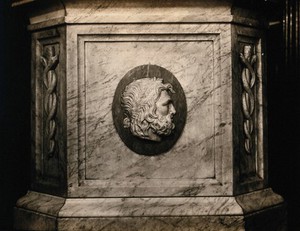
(250, 109)
(50, 78)
(248, 58)
(49, 109)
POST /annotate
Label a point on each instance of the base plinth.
(259, 210)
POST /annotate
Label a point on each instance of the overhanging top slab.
(45, 13)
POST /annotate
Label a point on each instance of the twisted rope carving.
(248, 101)
(50, 61)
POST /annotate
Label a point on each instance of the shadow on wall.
(14, 110)
(284, 106)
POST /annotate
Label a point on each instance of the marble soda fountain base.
(91, 171)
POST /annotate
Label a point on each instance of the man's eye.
(167, 103)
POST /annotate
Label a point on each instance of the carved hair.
(139, 103)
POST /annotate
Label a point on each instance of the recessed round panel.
(149, 109)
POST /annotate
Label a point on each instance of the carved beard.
(163, 125)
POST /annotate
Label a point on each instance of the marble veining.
(44, 211)
(147, 11)
(127, 207)
(43, 203)
(212, 223)
(259, 200)
(196, 60)
(103, 76)
(196, 185)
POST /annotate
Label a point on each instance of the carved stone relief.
(149, 109)
(48, 109)
(49, 62)
(248, 59)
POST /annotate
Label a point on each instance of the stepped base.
(260, 210)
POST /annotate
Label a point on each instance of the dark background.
(283, 105)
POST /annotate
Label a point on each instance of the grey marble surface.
(102, 11)
(204, 58)
(132, 11)
(205, 181)
(192, 54)
(140, 207)
(107, 157)
(216, 223)
(43, 203)
(43, 212)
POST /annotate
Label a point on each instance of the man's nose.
(172, 109)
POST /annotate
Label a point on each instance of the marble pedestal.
(84, 174)
(259, 210)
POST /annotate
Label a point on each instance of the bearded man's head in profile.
(148, 108)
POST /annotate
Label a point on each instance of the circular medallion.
(149, 109)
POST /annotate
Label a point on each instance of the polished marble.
(207, 180)
(37, 211)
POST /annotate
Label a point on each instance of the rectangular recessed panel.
(105, 63)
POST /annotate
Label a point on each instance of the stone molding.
(57, 12)
(118, 210)
(150, 206)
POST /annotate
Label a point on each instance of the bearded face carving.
(148, 108)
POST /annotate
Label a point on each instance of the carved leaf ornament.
(248, 101)
(50, 61)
